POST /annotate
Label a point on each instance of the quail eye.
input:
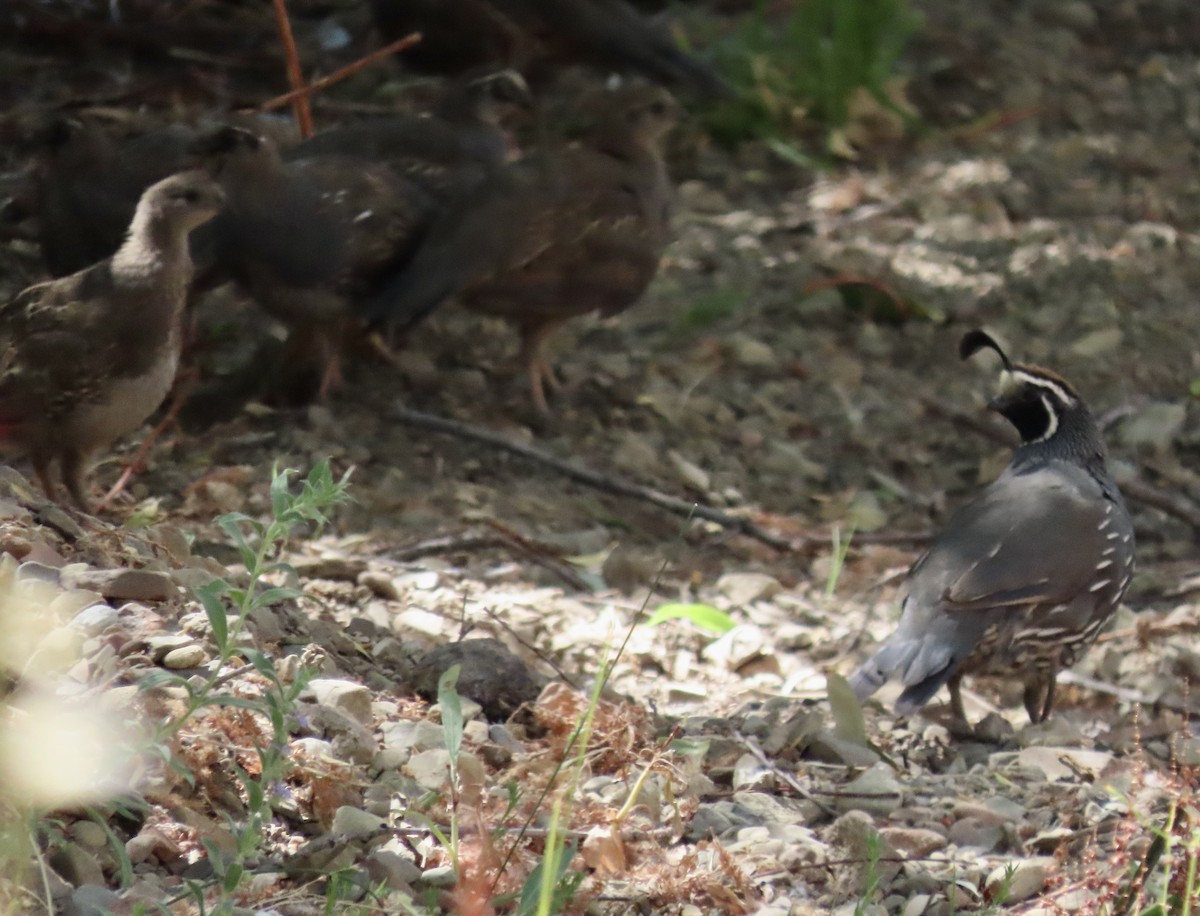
(658, 109)
(189, 196)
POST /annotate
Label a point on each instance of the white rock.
(430, 768)
(352, 698)
(742, 588)
(192, 656)
(348, 819)
(1028, 877)
(876, 791)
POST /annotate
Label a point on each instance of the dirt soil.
(1052, 194)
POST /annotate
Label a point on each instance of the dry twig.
(620, 487)
(305, 91)
(300, 103)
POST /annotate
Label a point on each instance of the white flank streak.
(1099, 585)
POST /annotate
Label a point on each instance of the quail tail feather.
(924, 663)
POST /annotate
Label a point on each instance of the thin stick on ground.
(300, 104)
(338, 75)
(620, 487)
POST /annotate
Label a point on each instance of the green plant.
(872, 878)
(259, 545)
(809, 67)
(837, 560)
(452, 733)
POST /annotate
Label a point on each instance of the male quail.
(446, 151)
(558, 234)
(86, 358)
(86, 185)
(305, 237)
(1024, 576)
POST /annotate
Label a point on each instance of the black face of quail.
(1024, 576)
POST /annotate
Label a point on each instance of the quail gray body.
(1023, 577)
(88, 357)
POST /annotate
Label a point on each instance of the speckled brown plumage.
(306, 237)
(88, 357)
(559, 234)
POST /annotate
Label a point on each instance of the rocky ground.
(1051, 195)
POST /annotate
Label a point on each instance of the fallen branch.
(591, 478)
(1125, 694)
(610, 484)
(338, 75)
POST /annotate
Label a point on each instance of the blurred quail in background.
(87, 185)
(448, 150)
(1024, 576)
(303, 238)
(559, 234)
(535, 35)
(85, 359)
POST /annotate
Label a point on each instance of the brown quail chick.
(88, 357)
(561, 233)
(306, 237)
(446, 151)
(86, 186)
(533, 35)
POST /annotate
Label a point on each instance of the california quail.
(1024, 576)
(87, 184)
(445, 152)
(558, 234)
(86, 358)
(456, 35)
(532, 34)
(305, 237)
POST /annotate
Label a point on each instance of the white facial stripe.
(1051, 420)
(1038, 381)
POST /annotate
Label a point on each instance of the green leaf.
(281, 497)
(848, 722)
(704, 616)
(691, 747)
(212, 597)
(452, 717)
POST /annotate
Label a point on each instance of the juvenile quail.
(305, 237)
(1025, 575)
(87, 184)
(86, 358)
(556, 235)
(446, 151)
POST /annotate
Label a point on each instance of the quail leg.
(539, 371)
(1039, 695)
(958, 715)
(73, 466)
(41, 467)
